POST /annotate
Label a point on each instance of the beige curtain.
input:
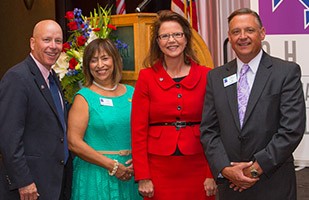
(213, 25)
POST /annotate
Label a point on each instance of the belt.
(177, 124)
(121, 152)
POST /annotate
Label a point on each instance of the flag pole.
(191, 19)
(185, 9)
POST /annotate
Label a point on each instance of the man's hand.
(235, 174)
(256, 166)
(29, 192)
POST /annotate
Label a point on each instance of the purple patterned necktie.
(243, 92)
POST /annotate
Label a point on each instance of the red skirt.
(178, 177)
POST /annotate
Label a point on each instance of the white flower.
(61, 66)
(92, 36)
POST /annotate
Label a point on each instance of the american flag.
(120, 7)
(186, 8)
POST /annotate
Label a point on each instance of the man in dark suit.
(250, 150)
(32, 130)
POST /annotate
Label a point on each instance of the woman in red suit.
(168, 158)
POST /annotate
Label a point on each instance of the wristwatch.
(254, 173)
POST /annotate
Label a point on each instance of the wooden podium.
(134, 30)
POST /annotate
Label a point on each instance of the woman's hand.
(145, 188)
(210, 187)
(123, 173)
(130, 167)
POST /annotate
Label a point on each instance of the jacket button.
(62, 162)
(61, 140)
(179, 95)
(178, 107)
(8, 180)
(177, 86)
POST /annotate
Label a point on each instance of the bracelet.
(115, 168)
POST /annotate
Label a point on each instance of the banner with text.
(287, 36)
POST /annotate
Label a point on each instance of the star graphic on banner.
(276, 4)
(306, 12)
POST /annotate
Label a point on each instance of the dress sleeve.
(139, 123)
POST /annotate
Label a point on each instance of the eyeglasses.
(167, 35)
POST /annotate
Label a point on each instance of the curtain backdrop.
(212, 17)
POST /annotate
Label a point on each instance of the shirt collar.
(254, 63)
(45, 72)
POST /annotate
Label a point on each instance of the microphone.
(142, 5)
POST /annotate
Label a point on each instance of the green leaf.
(71, 85)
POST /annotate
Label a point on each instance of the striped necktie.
(243, 91)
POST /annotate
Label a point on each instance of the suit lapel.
(231, 91)
(261, 78)
(41, 84)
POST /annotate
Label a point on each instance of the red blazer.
(158, 98)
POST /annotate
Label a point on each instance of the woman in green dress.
(99, 129)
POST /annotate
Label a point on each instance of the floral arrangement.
(83, 30)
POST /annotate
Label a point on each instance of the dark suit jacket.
(31, 134)
(273, 126)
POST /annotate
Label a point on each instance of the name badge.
(229, 80)
(106, 102)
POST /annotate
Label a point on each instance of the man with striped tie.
(253, 118)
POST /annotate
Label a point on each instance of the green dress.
(108, 130)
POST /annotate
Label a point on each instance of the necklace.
(104, 88)
(169, 73)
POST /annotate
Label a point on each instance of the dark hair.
(243, 11)
(99, 45)
(155, 53)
